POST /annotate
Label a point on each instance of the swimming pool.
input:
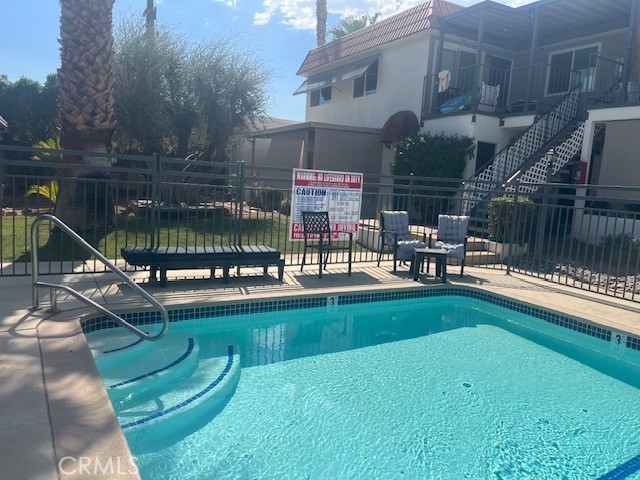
(439, 384)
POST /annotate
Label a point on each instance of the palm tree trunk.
(321, 22)
(85, 111)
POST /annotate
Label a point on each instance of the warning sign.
(339, 193)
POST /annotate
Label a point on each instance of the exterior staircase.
(524, 159)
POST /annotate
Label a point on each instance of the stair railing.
(511, 158)
(53, 287)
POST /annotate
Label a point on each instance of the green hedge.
(501, 211)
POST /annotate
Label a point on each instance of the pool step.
(164, 418)
(117, 347)
(171, 360)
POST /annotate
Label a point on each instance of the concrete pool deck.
(54, 410)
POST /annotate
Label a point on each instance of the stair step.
(482, 258)
(163, 419)
(173, 359)
(114, 347)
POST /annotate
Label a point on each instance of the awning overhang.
(337, 75)
(512, 28)
(399, 126)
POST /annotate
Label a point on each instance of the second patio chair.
(317, 236)
(395, 235)
(452, 237)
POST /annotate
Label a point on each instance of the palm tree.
(85, 107)
(351, 24)
(321, 22)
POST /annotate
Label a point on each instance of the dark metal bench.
(225, 256)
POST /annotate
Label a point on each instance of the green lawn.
(269, 230)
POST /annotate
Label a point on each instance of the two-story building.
(355, 84)
(561, 74)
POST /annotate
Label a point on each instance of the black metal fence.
(586, 237)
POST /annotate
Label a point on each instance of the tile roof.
(403, 24)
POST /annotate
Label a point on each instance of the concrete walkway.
(57, 421)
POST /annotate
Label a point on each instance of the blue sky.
(283, 31)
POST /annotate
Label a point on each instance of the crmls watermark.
(112, 466)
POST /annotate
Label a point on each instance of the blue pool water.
(446, 388)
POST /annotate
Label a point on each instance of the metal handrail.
(35, 244)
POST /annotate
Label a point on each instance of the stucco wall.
(252, 152)
(620, 156)
(347, 151)
(401, 70)
(285, 150)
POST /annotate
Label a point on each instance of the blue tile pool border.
(264, 306)
(184, 356)
(119, 349)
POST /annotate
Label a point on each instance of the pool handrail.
(35, 244)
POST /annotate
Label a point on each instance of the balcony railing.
(530, 89)
(614, 83)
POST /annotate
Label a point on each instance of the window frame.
(365, 78)
(321, 97)
(589, 85)
(460, 72)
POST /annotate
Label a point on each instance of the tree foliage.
(177, 98)
(429, 155)
(29, 108)
(352, 24)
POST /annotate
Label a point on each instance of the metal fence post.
(410, 196)
(240, 196)
(155, 187)
(513, 228)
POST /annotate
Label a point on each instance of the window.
(320, 96)
(367, 84)
(569, 68)
(462, 66)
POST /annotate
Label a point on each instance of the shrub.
(285, 206)
(432, 156)
(267, 199)
(48, 190)
(501, 212)
(625, 248)
(427, 155)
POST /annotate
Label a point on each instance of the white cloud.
(228, 3)
(301, 14)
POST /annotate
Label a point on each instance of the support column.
(434, 85)
(532, 51)
(480, 45)
(631, 43)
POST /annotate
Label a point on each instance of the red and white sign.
(339, 193)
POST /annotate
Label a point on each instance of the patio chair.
(452, 237)
(394, 234)
(316, 229)
(488, 98)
